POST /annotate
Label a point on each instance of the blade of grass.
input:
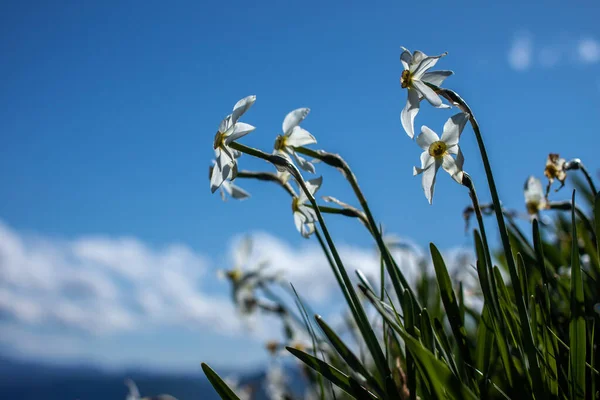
(347, 355)
(452, 309)
(334, 375)
(577, 336)
(218, 384)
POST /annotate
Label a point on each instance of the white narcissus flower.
(229, 130)
(295, 136)
(227, 186)
(305, 216)
(438, 152)
(414, 78)
(244, 281)
(535, 200)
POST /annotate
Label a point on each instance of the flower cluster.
(437, 152)
(225, 167)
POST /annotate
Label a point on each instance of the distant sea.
(30, 381)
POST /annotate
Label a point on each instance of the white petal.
(224, 158)
(460, 159)
(406, 58)
(426, 137)
(427, 92)
(293, 119)
(309, 213)
(240, 129)
(418, 56)
(453, 128)
(223, 190)
(238, 193)
(299, 137)
(426, 162)
(425, 64)
(314, 184)
(409, 112)
(308, 229)
(216, 178)
(241, 107)
(452, 168)
(426, 159)
(534, 191)
(226, 124)
(428, 181)
(436, 77)
(299, 219)
(134, 393)
(304, 164)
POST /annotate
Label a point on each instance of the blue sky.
(108, 112)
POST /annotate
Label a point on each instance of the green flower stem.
(272, 177)
(338, 267)
(588, 178)
(468, 183)
(398, 280)
(530, 346)
(266, 176)
(360, 315)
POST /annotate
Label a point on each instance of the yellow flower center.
(406, 79)
(438, 149)
(234, 274)
(295, 204)
(532, 207)
(219, 139)
(279, 142)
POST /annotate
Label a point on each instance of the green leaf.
(334, 375)
(523, 279)
(441, 380)
(577, 336)
(409, 323)
(445, 346)
(484, 348)
(452, 308)
(353, 362)
(427, 337)
(218, 384)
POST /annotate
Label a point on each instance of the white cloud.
(523, 54)
(589, 51)
(64, 291)
(520, 52)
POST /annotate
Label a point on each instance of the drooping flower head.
(305, 216)
(229, 130)
(535, 200)
(438, 153)
(414, 78)
(295, 136)
(555, 169)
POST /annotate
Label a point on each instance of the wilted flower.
(555, 169)
(295, 136)
(227, 186)
(438, 152)
(535, 200)
(415, 78)
(305, 216)
(229, 130)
